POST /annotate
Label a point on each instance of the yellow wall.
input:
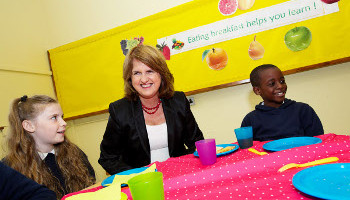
(24, 65)
(48, 24)
(219, 112)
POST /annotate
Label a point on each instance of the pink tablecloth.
(244, 175)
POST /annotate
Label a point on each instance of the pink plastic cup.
(206, 151)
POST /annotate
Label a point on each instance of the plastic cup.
(206, 151)
(244, 137)
(148, 186)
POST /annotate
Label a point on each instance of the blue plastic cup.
(244, 137)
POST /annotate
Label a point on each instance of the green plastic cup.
(148, 186)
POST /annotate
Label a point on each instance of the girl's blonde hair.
(23, 156)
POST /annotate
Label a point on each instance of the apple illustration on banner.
(329, 1)
(298, 38)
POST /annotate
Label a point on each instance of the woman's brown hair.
(155, 60)
(23, 156)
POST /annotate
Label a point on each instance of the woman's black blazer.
(125, 142)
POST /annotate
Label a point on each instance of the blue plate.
(288, 143)
(330, 181)
(223, 153)
(110, 179)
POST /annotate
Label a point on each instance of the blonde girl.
(38, 148)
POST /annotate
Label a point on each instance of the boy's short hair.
(255, 74)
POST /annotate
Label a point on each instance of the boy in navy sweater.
(277, 117)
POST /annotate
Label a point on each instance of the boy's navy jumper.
(291, 119)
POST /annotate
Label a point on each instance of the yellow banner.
(88, 73)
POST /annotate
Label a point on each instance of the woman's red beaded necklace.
(148, 110)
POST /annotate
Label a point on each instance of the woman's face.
(145, 80)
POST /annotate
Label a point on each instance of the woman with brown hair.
(152, 122)
(38, 148)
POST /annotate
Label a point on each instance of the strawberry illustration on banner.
(165, 50)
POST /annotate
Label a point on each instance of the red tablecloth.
(245, 175)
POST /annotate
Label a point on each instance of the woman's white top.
(158, 141)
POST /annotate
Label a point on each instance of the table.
(245, 175)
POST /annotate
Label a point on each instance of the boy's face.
(272, 88)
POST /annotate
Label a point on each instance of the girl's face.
(48, 127)
(145, 80)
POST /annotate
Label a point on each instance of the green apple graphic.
(298, 38)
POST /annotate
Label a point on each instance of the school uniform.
(16, 186)
(51, 163)
(291, 119)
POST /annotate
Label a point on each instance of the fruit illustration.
(177, 44)
(298, 38)
(216, 58)
(256, 50)
(245, 4)
(228, 7)
(129, 44)
(123, 46)
(165, 50)
(329, 1)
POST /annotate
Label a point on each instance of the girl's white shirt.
(43, 155)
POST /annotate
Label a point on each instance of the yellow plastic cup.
(148, 186)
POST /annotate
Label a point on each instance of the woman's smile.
(146, 85)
